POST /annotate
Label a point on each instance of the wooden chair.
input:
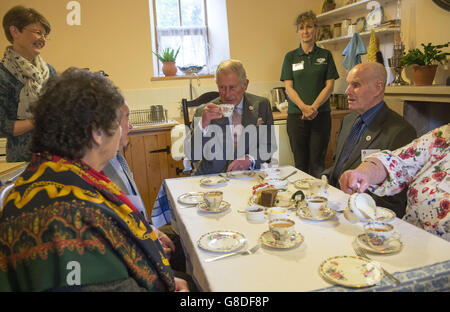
(202, 99)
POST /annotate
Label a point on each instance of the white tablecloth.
(295, 269)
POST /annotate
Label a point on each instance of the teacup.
(213, 199)
(282, 229)
(255, 214)
(380, 234)
(227, 109)
(277, 213)
(316, 205)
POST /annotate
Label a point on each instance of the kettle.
(278, 96)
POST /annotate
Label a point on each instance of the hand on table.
(240, 164)
(210, 112)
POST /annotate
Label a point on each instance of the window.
(184, 24)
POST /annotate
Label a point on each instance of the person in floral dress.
(423, 167)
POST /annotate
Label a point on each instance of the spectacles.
(39, 34)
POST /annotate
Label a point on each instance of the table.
(423, 261)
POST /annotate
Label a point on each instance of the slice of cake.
(267, 198)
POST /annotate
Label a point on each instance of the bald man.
(371, 127)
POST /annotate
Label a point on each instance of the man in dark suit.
(371, 127)
(241, 141)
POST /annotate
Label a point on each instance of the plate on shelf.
(222, 241)
(224, 205)
(240, 174)
(267, 239)
(213, 180)
(191, 198)
(303, 212)
(393, 247)
(351, 271)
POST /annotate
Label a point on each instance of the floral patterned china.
(222, 241)
(191, 198)
(351, 271)
(393, 246)
(325, 214)
(240, 174)
(283, 199)
(269, 240)
(214, 180)
(224, 205)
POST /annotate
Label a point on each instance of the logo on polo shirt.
(320, 61)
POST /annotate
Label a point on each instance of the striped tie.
(237, 127)
(349, 145)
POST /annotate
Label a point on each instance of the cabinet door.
(336, 119)
(148, 156)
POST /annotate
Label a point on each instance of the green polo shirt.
(309, 72)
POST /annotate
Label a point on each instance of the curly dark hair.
(70, 107)
(21, 17)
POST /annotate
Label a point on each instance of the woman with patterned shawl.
(65, 226)
(23, 72)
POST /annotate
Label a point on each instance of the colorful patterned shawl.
(62, 213)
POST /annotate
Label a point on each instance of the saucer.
(224, 205)
(222, 241)
(393, 247)
(303, 212)
(351, 271)
(191, 198)
(303, 184)
(240, 174)
(268, 240)
(214, 180)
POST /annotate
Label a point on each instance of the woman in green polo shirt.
(308, 73)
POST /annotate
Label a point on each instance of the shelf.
(379, 31)
(343, 12)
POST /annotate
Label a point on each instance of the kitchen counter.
(173, 121)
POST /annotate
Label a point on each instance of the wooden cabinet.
(336, 118)
(149, 158)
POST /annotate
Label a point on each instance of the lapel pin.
(250, 108)
(368, 138)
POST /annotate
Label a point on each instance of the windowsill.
(181, 77)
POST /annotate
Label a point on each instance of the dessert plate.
(283, 199)
(190, 198)
(393, 246)
(240, 174)
(214, 180)
(224, 205)
(267, 239)
(222, 241)
(303, 212)
(303, 184)
(351, 271)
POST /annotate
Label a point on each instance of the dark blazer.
(213, 158)
(388, 130)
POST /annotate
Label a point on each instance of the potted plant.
(168, 57)
(424, 64)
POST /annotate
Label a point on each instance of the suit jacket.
(213, 157)
(388, 130)
(112, 174)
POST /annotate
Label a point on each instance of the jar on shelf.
(337, 30)
(344, 27)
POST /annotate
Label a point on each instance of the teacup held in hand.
(227, 109)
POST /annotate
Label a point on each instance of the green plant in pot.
(168, 57)
(424, 64)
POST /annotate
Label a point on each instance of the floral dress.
(424, 167)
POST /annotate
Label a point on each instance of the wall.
(115, 36)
